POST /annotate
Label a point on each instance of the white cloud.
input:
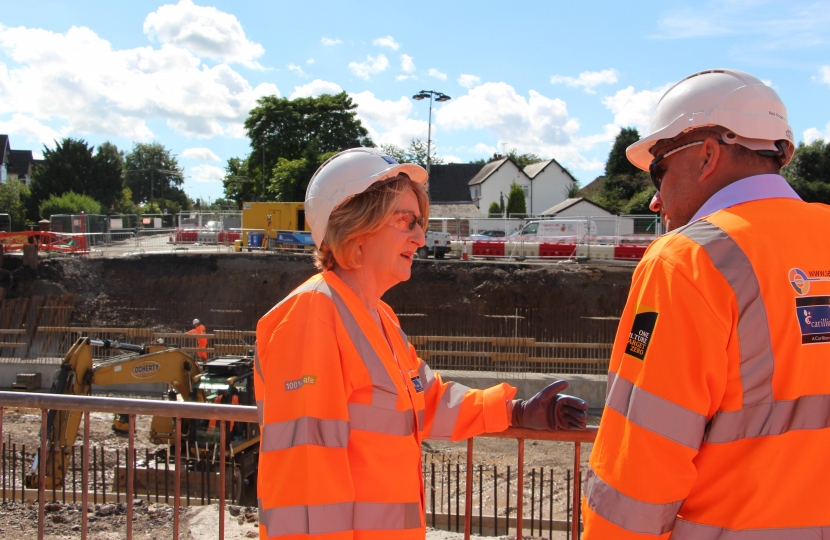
(482, 148)
(315, 88)
(387, 41)
(437, 74)
(310, 61)
(204, 31)
(535, 123)
(404, 77)
(297, 70)
(407, 64)
(824, 75)
(371, 66)
(328, 42)
(31, 130)
(79, 81)
(812, 134)
(587, 79)
(200, 154)
(633, 108)
(468, 81)
(388, 121)
(207, 174)
(449, 158)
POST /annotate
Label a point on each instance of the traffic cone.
(464, 250)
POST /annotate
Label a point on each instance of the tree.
(152, 172)
(283, 128)
(809, 171)
(238, 184)
(495, 210)
(13, 195)
(516, 200)
(69, 203)
(639, 203)
(416, 152)
(289, 179)
(72, 166)
(617, 163)
(523, 160)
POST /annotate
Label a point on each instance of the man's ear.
(710, 154)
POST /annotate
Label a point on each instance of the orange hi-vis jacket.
(201, 343)
(343, 418)
(717, 421)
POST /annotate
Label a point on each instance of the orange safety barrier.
(492, 249)
(629, 252)
(557, 250)
(44, 240)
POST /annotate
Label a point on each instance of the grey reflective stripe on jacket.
(446, 414)
(757, 360)
(339, 517)
(686, 530)
(657, 414)
(627, 512)
(305, 430)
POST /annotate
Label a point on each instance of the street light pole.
(437, 96)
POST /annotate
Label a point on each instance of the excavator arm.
(153, 364)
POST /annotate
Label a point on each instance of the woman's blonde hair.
(363, 214)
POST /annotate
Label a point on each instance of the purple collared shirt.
(753, 188)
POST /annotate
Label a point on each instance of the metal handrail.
(238, 413)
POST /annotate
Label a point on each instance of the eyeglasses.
(657, 172)
(404, 220)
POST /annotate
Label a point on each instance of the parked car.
(484, 235)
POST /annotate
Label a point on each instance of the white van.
(559, 228)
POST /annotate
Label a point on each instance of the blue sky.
(554, 78)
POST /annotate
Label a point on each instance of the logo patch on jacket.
(416, 382)
(641, 333)
(813, 314)
(299, 383)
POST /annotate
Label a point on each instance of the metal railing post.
(577, 475)
(41, 476)
(520, 489)
(468, 502)
(178, 481)
(130, 479)
(85, 478)
(222, 480)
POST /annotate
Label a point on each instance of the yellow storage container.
(285, 216)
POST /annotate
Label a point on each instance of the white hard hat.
(195, 322)
(345, 175)
(750, 111)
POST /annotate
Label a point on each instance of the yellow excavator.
(230, 378)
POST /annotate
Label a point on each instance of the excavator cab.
(226, 381)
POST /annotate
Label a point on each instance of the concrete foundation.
(591, 388)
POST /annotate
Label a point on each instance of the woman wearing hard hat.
(343, 399)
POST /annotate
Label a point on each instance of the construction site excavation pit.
(477, 322)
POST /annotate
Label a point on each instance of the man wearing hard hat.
(201, 343)
(717, 421)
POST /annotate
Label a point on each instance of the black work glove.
(551, 411)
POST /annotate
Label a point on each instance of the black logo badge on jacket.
(641, 333)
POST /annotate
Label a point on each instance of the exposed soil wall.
(112, 291)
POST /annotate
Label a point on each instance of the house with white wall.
(493, 181)
(550, 184)
(545, 184)
(21, 167)
(5, 158)
(607, 223)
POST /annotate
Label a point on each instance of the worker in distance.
(344, 401)
(717, 421)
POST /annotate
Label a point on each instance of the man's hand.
(551, 411)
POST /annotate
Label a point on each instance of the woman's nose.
(418, 235)
(656, 203)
